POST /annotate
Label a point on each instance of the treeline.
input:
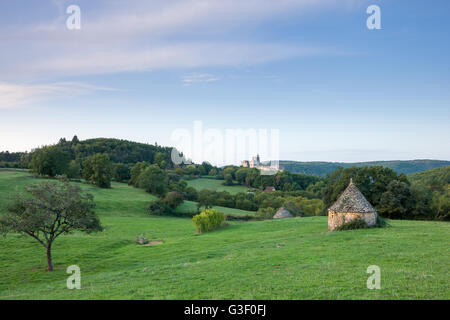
(297, 202)
(392, 194)
(14, 159)
(283, 180)
(321, 168)
(435, 183)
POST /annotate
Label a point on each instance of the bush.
(208, 219)
(354, 224)
(174, 199)
(265, 213)
(191, 194)
(381, 222)
(160, 208)
(361, 224)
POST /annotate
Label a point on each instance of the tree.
(228, 179)
(136, 171)
(153, 180)
(191, 194)
(50, 210)
(98, 170)
(396, 201)
(229, 170)
(73, 170)
(121, 172)
(241, 174)
(50, 161)
(160, 160)
(174, 199)
(441, 205)
(75, 140)
(207, 167)
(206, 198)
(371, 181)
(190, 170)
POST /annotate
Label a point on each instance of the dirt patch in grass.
(153, 243)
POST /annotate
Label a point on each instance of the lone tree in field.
(49, 210)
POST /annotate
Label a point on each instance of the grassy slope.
(288, 258)
(216, 185)
(191, 207)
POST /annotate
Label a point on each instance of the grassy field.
(191, 207)
(276, 259)
(216, 185)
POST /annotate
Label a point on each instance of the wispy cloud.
(142, 36)
(15, 95)
(190, 79)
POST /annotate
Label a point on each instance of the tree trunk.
(49, 257)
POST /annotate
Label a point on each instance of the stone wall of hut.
(336, 219)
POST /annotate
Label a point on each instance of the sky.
(144, 70)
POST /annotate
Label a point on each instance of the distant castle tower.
(256, 163)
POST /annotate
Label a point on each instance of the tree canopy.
(97, 170)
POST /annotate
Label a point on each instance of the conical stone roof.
(352, 200)
(282, 213)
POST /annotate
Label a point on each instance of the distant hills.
(130, 152)
(319, 168)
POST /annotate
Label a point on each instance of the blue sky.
(139, 70)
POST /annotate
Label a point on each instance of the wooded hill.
(319, 168)
(119, 151)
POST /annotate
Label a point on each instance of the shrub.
(354, 224)
(265, 213)
(361, 224)
(191, 194)
(160, 208)
(174, 199)
(381, 222)
(208, 219)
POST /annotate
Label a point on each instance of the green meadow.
(274, 259)
(191, 208)
(215, 185)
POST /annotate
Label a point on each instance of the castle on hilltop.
(256, 163)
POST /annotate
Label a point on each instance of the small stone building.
(349, 206)
(282, 213)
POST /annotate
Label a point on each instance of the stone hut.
(349, 206)
(282, 213)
